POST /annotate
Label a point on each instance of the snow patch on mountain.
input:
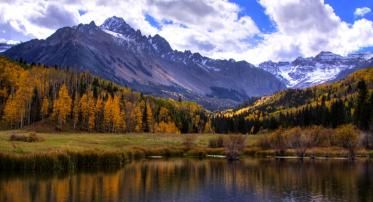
(324, 67)
(118, 35)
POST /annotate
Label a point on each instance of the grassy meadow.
(66, 151)
(80, 142)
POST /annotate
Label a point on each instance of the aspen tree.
(62, 106)
(44, 108)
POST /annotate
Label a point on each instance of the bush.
(300, 140)
(279, 141)
(348, 137)
(31, 137)
(234, 145)
(217, 142)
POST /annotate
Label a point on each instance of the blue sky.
(251, 30)
(343, 8)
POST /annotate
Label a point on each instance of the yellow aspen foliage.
(164, 115)
(44, 111)
(91, 111)
(113, 117)
(84, 110)
(99, 113)
(208, 127)
(166, 127)
(117, 116)
(149, 117)
(137, 114)
(28, 94)
(17, 107)
(11, 112)
(108, 114)
(62, 106)
(76, 111)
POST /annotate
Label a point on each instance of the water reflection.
(201, 180)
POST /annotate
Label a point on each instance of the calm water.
(201, 180)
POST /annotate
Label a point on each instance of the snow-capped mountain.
(325, 67)
(117, 52)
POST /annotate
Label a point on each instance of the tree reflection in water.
(201, 180)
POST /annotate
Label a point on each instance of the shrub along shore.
(30, 151)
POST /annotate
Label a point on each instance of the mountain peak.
(160, 44)
(114, 21)
(327, 55)
(118, 25)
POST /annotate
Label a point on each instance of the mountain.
(291, 99)
(117, 52)
(349, 100)
(325, 67)
(50, 99)
(5, 46)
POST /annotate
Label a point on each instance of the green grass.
(78, 142)
(76, 151)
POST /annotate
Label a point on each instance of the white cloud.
(215, 28)
(8, 41)
(361, 12)
(304, 33)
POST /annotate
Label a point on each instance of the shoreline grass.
(79, 151)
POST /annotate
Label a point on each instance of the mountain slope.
(55, 99)
(119, 53)
(291, 99)
(325, 67)
(330, 105)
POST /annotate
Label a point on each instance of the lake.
(200, 180)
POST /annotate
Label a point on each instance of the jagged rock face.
(325, 67)
(117, 52)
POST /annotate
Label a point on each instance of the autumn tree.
(84, 110)
(147, 118)
(76, 111)
(117, 116)
(44, 108)
(165, 123)
(99, 116)
(138, 117)
(62, 106)
(348, 137)
(91, 111)
(113, 116)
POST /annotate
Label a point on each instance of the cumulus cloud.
(304, 33)
(361, 12)
(54, 16)
(34, 19)
(216, 28)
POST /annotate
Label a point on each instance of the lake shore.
(77, 151)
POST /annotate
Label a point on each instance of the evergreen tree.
(362, 115)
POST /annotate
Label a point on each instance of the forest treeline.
(69, 100)
(32, 93)
(328, 105)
